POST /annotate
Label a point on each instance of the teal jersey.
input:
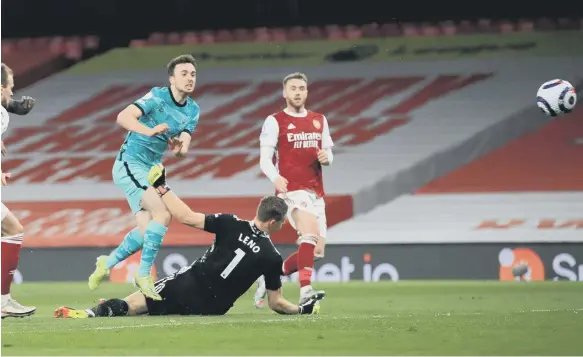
(158, 106)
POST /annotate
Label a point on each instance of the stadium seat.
(297, 33)
(156, 38)
(242, 35)
(174, 38)
(353, 32)
(371, 30)
(448, 28)
(190, 38)
(261, 34)
(207, 37)
(278, 35)
(390, 30)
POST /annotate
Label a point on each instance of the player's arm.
(20, 107)
(129, 118)
(325, 155)
(275, 298)
(268, 144)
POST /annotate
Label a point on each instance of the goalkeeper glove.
(157, 178)
(20, 107)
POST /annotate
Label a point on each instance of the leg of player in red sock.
(12, 237)
(307, 225)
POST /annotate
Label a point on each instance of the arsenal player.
(12, 230)
(299, 142)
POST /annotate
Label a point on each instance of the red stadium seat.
(466, 27)
(242, 35)
(138, 43)
(190, 38)
(411, 30)
(371, 30)
(156, 38)
(278, 35)
(91, 42)
(448, 28)
(505, 26)
(429, 29)
(486, 26)
(224, 36)
(297, 33)
(207, 37)
(353, 32)
(315, 33)
(173, 38)
(525, 26)
(261, 34)
(334, 32)
(391, 30)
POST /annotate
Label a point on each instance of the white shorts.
(4, 212)
(309, 202)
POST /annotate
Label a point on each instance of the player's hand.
(175, 145)
(159, 129)
(323, 157)
(3, 149)
(5, 177)
(280, 184)
(310, 307)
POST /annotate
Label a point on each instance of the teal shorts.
(132, 178)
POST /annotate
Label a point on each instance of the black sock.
(111, 307)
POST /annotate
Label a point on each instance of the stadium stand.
(32, 59)
(373, 30)
(530, 188)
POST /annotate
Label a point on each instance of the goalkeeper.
(241, 253)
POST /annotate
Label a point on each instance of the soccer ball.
(556, 97)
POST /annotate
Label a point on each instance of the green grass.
(405, 318)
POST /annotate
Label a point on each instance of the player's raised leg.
(153, 237)
(12, 238)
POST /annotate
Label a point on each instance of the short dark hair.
(188, 58)
(6, 72)
(272, 207)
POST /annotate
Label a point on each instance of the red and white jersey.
(297, 139)
(5, 119)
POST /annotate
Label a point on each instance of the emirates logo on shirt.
(304, 140)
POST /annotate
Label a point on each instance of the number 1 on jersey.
(239, 254)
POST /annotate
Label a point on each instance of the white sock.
(5, 299)
(305, 289)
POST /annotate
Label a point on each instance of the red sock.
(290, 265)
(10, 255)
(306, 263)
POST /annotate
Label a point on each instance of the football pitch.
(404, 318)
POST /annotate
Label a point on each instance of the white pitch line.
(173, 323)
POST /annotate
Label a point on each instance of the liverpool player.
(12, 230)
(300, 140)
(241, 252)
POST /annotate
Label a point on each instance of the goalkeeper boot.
(101, 271)
(146, 286)
(64, 312)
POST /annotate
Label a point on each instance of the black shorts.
(181, 295)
